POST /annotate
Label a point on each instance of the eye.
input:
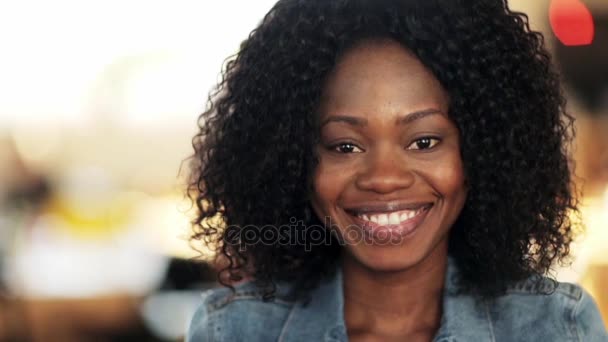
(346, 148)
(424, 143)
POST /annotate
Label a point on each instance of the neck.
(400, 302)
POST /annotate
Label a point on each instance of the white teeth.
(391, 218)
(394, 218)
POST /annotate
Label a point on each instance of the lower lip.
(401, 230)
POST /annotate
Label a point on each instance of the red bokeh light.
(571, 22)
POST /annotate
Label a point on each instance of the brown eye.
(423, 143)
(346, 148)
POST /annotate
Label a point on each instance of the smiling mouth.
(399, 222)
(386, 218)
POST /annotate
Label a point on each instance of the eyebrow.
(358, 121)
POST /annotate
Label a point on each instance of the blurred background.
(99, 101)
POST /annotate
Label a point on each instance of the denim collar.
(463, 319)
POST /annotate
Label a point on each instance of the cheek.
(448, 178)
(328, 185)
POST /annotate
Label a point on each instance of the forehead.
(380, 73)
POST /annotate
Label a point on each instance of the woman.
(388, 170)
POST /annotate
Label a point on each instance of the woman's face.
(390, 176)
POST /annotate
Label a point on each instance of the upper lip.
(380, 207)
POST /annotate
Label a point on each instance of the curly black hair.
(255, 151)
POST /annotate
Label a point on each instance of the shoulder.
(543, 308)
(224, 315)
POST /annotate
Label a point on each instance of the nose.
(385, 173)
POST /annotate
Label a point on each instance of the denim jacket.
(568, 314)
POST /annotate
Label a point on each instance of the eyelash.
(336, 146)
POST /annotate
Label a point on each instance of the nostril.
(385, 182)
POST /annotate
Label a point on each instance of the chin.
(386, 259)
(388, 266)
(400, 257)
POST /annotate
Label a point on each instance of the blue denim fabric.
(568, 314)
